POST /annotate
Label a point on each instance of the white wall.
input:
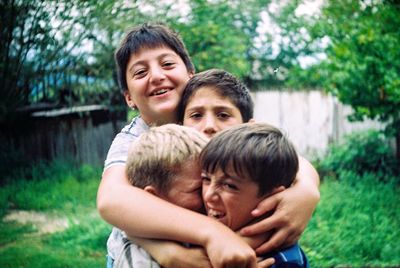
(311, 119)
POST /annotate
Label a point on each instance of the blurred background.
(326, 72)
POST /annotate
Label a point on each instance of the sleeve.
(118, 152)
(134, 256)
(292, 257)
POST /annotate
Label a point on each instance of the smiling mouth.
(159, 92)
(215, 214)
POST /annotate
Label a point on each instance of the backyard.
(49, 218)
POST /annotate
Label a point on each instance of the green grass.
(356, 223)
(59, 190)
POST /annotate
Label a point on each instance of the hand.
(228, 250)
(292, 209)
(265, 263)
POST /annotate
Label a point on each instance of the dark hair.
(148, 36)
(257, 151)
(224, 84)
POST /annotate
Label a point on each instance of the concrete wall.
(311, 119)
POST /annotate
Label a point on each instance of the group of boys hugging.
(193, 181)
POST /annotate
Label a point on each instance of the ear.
(278, 190)
(129, 100)
(152, 190)
(191, 73)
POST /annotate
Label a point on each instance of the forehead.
(211, 95)
(149, 52)
(189, 171)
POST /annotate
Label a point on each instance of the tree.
(62, 52)
(220, 34)
(362, 66)
(40, 52)
(364, 59)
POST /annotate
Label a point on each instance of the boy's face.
(229, 198)
(209, 112)
(155, 78)
(185, 189)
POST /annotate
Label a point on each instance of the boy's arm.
(141, 214)
(171, 254)
(292, 208)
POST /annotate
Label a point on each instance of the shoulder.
(135, 128)
(118, 151)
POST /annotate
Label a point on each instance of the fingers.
(275, 242)
(266, 205)
(282, 238)
(274, 221)
(266, 263)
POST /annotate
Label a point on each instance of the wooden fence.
(81, 133)
(312, 119)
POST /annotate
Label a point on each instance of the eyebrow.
(142, 62)
(200, 107)
(235, 177)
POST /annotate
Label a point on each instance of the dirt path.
(43, 222)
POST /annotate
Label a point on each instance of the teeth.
(215, 214)
(159, 92)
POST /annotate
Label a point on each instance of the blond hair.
(157, 155)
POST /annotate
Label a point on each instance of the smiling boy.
(153, 68)
(242, 166)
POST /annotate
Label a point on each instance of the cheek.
(194, 202)
(188, 122)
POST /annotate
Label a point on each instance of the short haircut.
(225, 84)
(255, 150)
(148, 36)
(158, 155)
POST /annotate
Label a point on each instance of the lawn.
(59, 191)
(355, 224)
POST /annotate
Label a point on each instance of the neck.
(161, 120)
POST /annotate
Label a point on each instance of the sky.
(306, 8)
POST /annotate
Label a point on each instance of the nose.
(210, 126)
(209, 193)
(157, 74)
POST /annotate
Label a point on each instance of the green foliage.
(355, 225)
(362, 63)
(361, 153)
(364, 57)
(62, 52)
(57, 189)
(58, 185)
(82, 247)
(358, 42)
(219, 34)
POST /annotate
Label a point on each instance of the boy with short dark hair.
(242, 166)
(225, 84)
(154, 67)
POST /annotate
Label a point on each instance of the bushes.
(355, 223)
(362, 153)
